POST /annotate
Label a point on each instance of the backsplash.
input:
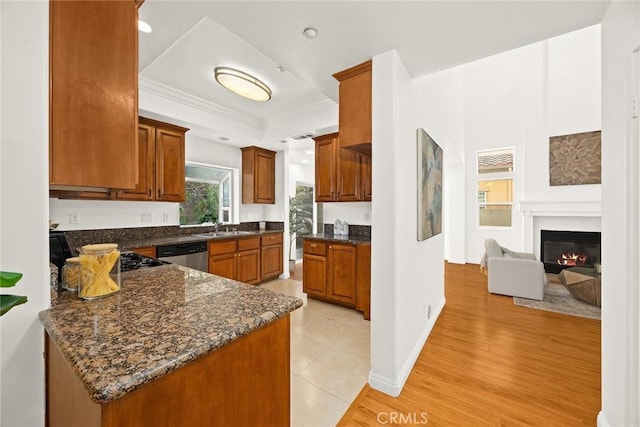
(78, 238)
(354, 230)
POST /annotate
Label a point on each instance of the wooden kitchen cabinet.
(93, 94)
(161, 163)
(355, 100)
(338, 273)
(341, 274)
(247, 259)
(314, 272)
(340, 174)
(223, 259)
(258, 175)
(248, 262)
(271, 256)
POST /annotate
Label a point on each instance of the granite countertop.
(161, 319)
(339, 239)
(196, 237)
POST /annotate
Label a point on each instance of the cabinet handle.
(149, 192)
(159, 193)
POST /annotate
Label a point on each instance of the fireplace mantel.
(536, 208)
(539, 208)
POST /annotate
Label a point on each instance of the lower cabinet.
(249, 259)
(271, 256)
(329, 272)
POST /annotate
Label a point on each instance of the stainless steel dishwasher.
(192, 255)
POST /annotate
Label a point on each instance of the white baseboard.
(602, 420)
(393, 386)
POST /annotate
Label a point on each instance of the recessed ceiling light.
(242, 84)
(281, 69)
(144, 27)
(284, 141)
(310, 33)
(224, 138)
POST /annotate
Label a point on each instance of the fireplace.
(564, 249)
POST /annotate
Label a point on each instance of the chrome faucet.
(217, 225)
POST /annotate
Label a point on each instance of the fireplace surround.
(563, 249)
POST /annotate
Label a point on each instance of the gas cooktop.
(134, 261)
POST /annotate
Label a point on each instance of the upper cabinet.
(93, 94)
(354, 120)
(258, 175)
(341, 175)
(161, 162)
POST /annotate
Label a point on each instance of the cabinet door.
(223, 265)
(363, 279)
(314, 275)
(145, 190)
(341, 274)
(326, 168)
(348, 176)
(264, 177)
(271, 261)
(93, 112)
(355, 107)
(249, 266)
(365, 171)
(169, 165)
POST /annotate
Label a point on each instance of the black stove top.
(134, 261)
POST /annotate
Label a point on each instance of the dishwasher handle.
(180, 249)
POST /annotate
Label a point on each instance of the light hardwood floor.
(488, 362)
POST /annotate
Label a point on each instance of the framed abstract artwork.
(575, 159)
(429, 186)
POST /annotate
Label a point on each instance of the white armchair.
(512, 273)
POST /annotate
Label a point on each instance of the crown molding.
(175, 95)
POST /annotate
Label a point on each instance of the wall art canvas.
(429, 186)
(575, 159)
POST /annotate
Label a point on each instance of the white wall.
(406, 275)
(24, 184)
(620, 211)
(355, 213)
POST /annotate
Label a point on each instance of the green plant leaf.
(9, 279)
(7, 302)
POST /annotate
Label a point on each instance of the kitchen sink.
(224, 234)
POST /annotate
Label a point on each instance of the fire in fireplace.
(564, 249)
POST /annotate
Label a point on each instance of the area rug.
(558, 299)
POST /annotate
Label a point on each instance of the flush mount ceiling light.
(242, 84)
(144, 27)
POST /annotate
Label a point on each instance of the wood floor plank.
(488, 362)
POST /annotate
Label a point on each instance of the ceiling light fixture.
(242, 84)
(144, 27)
(310, 33)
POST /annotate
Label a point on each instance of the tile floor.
(330, 358)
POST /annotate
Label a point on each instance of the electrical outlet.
(146, 217)
(165, 217)
(74, 218)
(429, 312)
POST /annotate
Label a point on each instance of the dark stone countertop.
(355, 240)
(161, 319)
(196, 237)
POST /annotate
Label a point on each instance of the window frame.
(234, 190)
(495, 176)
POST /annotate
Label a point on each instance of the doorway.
(304, 208)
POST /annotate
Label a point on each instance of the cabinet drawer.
(224, 247)
(272, 239)
(248, 244)
(315, 248)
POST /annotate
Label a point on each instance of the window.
(495, 188)
(208, 195)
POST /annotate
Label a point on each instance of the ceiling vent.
(303, 136)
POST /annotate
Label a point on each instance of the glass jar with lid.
(99, 270)
(71, 274)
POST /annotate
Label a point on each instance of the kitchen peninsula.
(175, 346)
